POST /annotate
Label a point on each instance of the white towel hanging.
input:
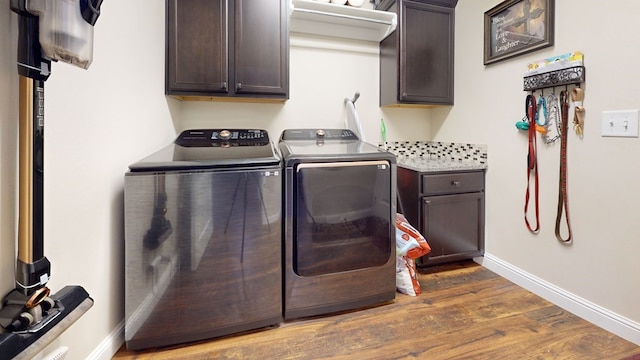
(353, 122)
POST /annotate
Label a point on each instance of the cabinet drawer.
(452, 183)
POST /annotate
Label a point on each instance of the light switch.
(620, 123)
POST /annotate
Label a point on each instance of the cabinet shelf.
(326, 19)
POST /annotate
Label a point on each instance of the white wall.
(102, 119)
(602, 265)
(8, 148)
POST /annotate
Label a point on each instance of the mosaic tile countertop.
(426, 156)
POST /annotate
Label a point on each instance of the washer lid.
(212, 148)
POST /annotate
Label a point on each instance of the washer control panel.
(223, 138)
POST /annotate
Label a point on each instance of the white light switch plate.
(620, 123)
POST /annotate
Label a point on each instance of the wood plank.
(465, 311)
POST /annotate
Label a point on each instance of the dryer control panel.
(319, 134)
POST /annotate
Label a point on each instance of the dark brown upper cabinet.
(227, 49)
(416, 61)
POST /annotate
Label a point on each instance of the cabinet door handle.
(456, 183)
(224, 85)
(238, 86)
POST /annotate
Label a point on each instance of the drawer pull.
(456, 183)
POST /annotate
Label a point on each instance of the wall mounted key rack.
(566, 69)
(568, 76)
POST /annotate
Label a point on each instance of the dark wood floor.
(464, 312)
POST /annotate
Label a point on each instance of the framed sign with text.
(515, 27)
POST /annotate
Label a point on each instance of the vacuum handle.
(31, 63)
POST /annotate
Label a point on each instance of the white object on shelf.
(317, 18)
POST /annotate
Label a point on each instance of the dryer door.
(343, 216)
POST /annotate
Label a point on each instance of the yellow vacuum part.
(25, 197)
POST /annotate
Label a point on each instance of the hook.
(355, 97)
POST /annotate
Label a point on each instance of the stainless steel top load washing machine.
(203, 238)
(339, 223)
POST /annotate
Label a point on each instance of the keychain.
(553, 115)
(542, 109)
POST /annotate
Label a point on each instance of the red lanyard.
(532, 163)
(562, 190)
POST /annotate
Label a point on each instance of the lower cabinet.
(448, 210)
(453, 225)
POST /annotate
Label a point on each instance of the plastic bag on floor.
(409, 242)
(407, 277)
(410, 245)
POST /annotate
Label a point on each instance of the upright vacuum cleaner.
(49, 30)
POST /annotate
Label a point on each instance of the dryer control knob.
(225, 134)
(320, 133)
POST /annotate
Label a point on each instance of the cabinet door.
(197, 47)
(453, 226)
(261, 47)
(426, 56)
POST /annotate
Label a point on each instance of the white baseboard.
(110, 345)
(604, 318)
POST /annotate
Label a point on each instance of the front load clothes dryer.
(203, 238)
(339, 222)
